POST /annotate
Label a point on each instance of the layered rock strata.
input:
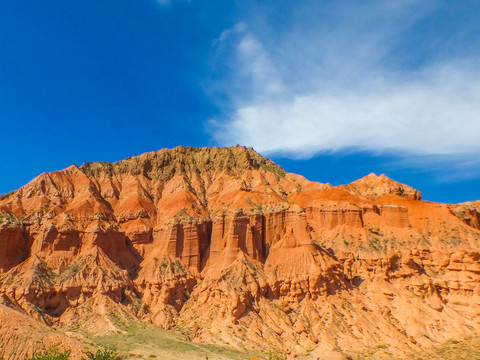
(226, 246)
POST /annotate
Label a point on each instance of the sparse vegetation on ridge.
(164, 164)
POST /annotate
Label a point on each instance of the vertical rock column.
(188, 241)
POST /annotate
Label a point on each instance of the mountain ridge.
(226, 246)
(163, 164)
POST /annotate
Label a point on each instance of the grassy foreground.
(150, 342)
(137, 340)
(145, 341)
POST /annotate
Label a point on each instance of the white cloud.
(436, 114)
(333, 88)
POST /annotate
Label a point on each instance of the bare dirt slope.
(20, 336)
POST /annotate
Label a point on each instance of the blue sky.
(332, 90)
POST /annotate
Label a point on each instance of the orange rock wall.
(237, 242)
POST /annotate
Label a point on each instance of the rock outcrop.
(228, 247)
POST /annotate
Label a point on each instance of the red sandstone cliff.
(224, 244)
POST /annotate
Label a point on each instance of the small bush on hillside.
(52, 353)
(101, 355)
(275, 356)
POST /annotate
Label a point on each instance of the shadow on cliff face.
(357, 281)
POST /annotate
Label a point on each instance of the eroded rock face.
(14, 246)
(225, 245)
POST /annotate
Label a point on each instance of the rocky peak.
(373, 187)
(165, 163)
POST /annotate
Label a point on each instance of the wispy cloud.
(353, 78)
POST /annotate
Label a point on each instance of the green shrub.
(276, 356)
(101, 355)
(53, 353)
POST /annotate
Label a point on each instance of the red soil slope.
(223, 244)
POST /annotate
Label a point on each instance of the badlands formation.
(226, 247)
